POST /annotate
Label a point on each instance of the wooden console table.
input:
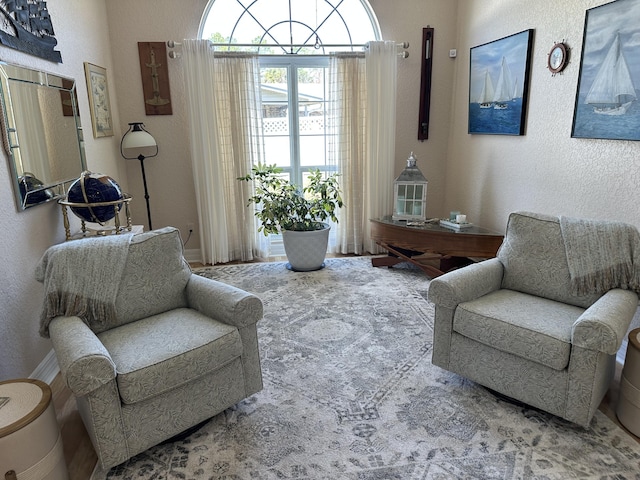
(433, 248)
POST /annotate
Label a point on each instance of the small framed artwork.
(499, 85)
(155, 78)
(99, 102)
(606, 103)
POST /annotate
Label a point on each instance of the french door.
(294, 110)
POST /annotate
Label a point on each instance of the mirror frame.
(41, 192)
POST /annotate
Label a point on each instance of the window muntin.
(319, 25)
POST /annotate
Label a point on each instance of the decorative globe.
(95, 188)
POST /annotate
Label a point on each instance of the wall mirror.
(41, 133)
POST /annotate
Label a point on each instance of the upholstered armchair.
(543, 321)
(148, 348)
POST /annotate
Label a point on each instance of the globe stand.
(87, 232)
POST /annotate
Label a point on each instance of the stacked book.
(454, 224)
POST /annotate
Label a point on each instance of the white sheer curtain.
(223, 103)
(32, 132)
(349, 147)
(363, 118)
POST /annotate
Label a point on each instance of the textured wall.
(546, 170)
(169, 174)
(82, 36)
(406, 24)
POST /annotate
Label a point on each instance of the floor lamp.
(138, 139)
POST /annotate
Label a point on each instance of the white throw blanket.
(601, 255)
(81, 278)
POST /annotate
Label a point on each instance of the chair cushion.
(164, 351)
(535, 260)
(154, 278)
(531, 327)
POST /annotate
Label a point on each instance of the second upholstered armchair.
(543, 321)
(148, 348)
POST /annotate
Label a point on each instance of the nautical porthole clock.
(558, 58)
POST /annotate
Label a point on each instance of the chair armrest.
(225, 303)
(84, 362)
(467, 283)
(604, 324)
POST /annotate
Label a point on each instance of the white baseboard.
(48, 369)
(192, 255)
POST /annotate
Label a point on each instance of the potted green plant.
(299, 214)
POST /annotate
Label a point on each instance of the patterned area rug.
(350, 393)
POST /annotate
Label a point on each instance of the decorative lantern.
(410, 193)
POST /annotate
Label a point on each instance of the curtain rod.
(174, 44)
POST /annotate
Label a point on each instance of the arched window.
(293, 39)
(290, 26)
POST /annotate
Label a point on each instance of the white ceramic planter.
(306, 250)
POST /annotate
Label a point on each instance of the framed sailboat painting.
(499, 85)
(606, 99)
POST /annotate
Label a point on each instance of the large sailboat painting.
(498, 85)
(607, 99)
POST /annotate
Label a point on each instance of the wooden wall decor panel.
(155, 78)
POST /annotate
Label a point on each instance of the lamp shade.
(137, 137)
(136, 140)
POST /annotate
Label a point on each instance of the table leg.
(399, 255)
(388, 261)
